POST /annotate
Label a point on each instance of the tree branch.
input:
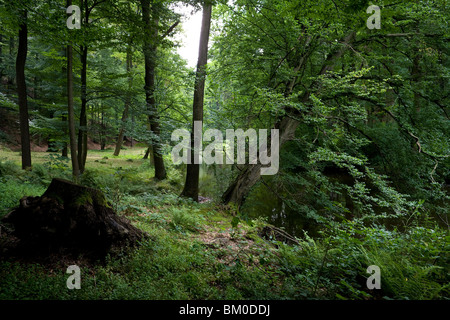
(170, 29)
(417, 139)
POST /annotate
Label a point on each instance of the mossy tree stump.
(71, 217)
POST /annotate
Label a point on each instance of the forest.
(305, 156)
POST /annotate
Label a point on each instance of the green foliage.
(335, 266)
(367, 165)
(9, 168)
(6, 102)
(185, 219)
(15, 184)
(176, 264)
(407, 280)
(56, 163)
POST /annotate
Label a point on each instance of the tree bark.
(150, 49)
(127, 102)
(65, 149)
(82, 130)
(22, 92)
(193, 169)
(147, 153)
(250, 175)
(70, 109)
(102, 129)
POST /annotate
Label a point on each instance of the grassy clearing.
(130, 157)
(203, 251)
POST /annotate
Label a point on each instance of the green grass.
(93, 158)
(197, 251)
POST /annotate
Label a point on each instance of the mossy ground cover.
(207, 251)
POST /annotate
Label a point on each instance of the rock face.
(71, 217)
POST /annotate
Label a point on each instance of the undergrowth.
(205, 251)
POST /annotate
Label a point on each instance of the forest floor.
(208, 251)
(186, 236)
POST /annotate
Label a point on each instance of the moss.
(83, 198)
(91, 197)
(100, 199)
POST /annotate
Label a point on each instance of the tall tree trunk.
(64, 151)
(70, 109)
(102, 129)
(132, 124)
(127, 102)
(35, 80)
(149, 154)
(82, 131)
(241, 186)
(150, 48)
(22, 92)
(193, 169)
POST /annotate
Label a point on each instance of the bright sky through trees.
(191, 32)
